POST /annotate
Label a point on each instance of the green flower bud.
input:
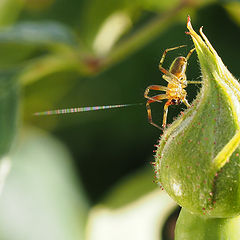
(197, 159)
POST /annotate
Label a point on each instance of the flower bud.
(197, 159)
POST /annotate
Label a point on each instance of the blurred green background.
(60, 54)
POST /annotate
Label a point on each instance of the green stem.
(90, 65)
(143, 35)
(191, 226)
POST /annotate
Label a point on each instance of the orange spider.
(177, 81)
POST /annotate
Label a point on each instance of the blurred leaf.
(37, 33)
(41, 67)
(9, 10)
(104, 10)
(41, 198)
(163, 5)
(40, 96)
(12, 53)
(228, 1)
(155, 5)
(110, 31)
(67, 12)
(37, 6)
(9, 97)
(20, 41)
(131, 188)
(95, 12)
(143, 219)
(139, 212)
(233, 9)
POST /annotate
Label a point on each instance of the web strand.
(83, 109)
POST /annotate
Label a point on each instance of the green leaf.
(233, 9)
(37, 33)
(9, 11)
(130, 188)
(13, 53)
(95, 13)
(160, 6)
(45, 66)
(155, 5)
(20, 41)
(131, 204)
(9, 103)
(42, 199)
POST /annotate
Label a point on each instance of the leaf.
(20, 41)
(9, 10)
(9, 103)
(129, 189)
(42, 198)
(131, 205)
(95, 13)
(37, 33)
(13, 53)
(233, 9)
(44, 66)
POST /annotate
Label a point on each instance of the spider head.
(176, 101)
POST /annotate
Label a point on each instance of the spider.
(177, 81)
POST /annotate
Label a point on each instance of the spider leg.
(154, 87)
(185, 101)
(190, 53)
(169, 76)
(194, 82)
(167, 104)
(165, 53)
(156, 98)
